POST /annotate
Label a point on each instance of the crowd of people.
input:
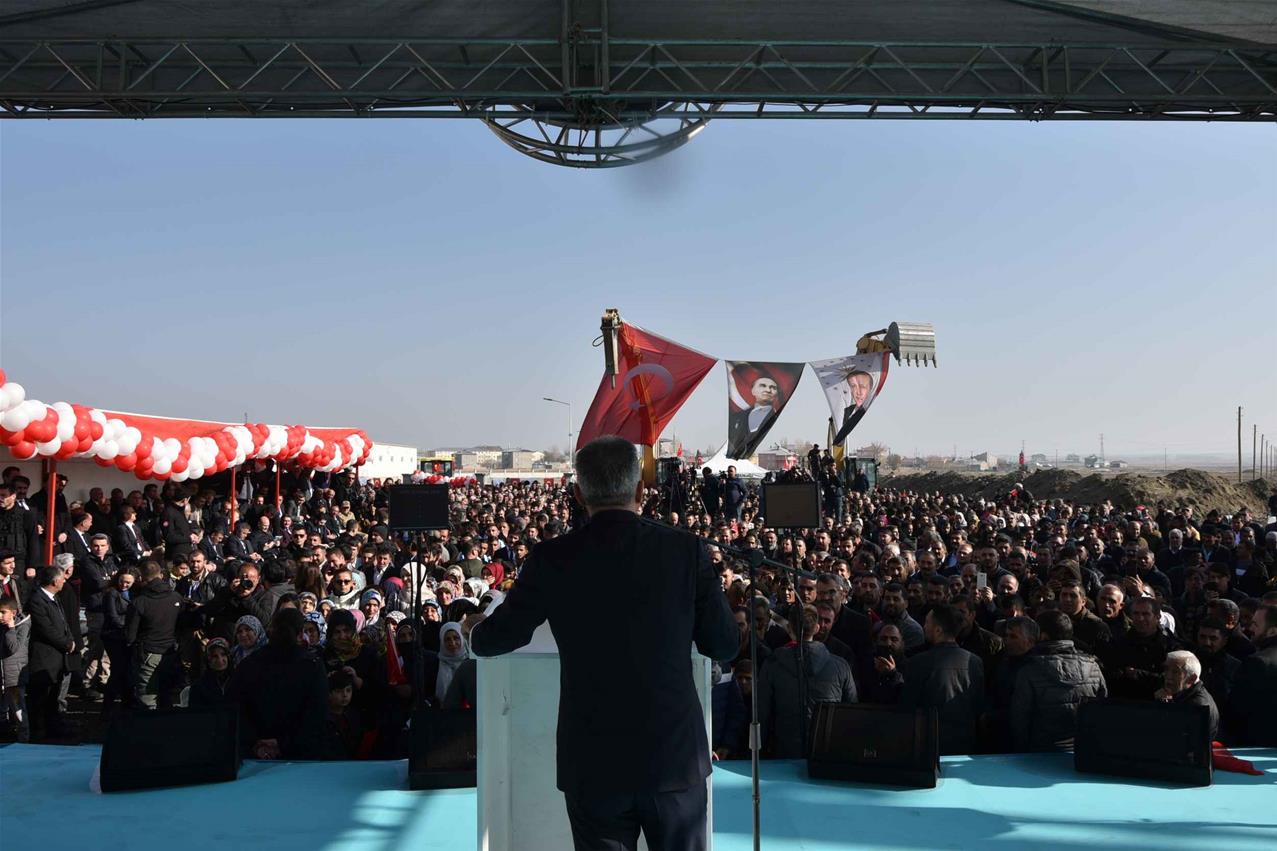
(328, 630)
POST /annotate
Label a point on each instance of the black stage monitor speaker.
(791, 505)
(875, 744)
(1146, 739)
(170, 747)
(444, 749)
(418, 507)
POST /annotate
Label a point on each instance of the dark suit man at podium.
(632, 749)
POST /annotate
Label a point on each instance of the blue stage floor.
(1020, 802)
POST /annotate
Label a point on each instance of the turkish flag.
(395, 675)
(654, 378)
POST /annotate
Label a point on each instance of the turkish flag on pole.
(654, 378)
(395, 675)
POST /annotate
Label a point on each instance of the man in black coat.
(1254, 697)
(18, 531)
(632, 750)
(948, 679)
(711, 492)
(151, 631)
(1134, 663)
(51, 643)
(1182, 684)
(96, 573)
(176, 530)
(1090, 634)
(1219, 667)
(130, 542)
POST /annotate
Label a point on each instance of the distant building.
(981, 462)
(520, 459)
(389, 460)
(1118, 465)
(777, 458)
(478, 457)
(1072, 458)
(1037, 458)
(1093, 462)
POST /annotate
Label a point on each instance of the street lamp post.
(568, 405)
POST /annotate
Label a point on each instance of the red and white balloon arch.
(161, 448)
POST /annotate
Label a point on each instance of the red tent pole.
(279, 496)
(50, 519)
(233, 494)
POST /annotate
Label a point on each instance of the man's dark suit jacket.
(740, 440)
(129, 543)
(629, 718)
(50, 635)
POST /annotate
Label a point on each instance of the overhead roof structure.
(554, 77)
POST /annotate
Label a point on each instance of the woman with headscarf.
(344, 648)
(452, 653)
(314, 630)
(249, 638)
(371, 604)
(210, 688)
(493, 573)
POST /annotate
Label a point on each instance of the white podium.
(520, 807)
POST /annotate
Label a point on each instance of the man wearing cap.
(628, 759)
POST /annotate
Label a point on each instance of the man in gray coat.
(1054, 681)
(781, 715)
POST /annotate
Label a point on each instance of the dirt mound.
(1205, 491)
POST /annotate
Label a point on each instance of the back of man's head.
(151, 571)
(947, 621)
(273, 573)
(1055, 625)
(608, 472)
(286, 627)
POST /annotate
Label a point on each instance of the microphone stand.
(756, 559)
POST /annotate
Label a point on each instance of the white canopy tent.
(720, 462)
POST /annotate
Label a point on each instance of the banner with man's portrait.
(756, 394)
(851, 384)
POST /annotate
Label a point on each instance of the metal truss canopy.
(591, 82)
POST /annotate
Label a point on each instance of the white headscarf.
(449, 662)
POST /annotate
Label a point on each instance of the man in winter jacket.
(151, 631)
(1054, 681)
(781, 715)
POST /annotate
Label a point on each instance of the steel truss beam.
(593, 80)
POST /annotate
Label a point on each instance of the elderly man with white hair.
(1182, 683)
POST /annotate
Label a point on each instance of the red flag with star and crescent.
(654, 377)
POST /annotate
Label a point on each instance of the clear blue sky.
(423, 281)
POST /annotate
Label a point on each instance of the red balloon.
(102, 462)
(3, 380)
(65, 451)
(13, 438)
(144, 466)
(95, 430)
(127, 463)
(161, 476)
(179, 464)
(23, 450)
(143, 447)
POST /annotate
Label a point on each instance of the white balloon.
(50, 448)
(16, 392)
(173, 446)
(162, 465)
(15, 419)
(180, 477)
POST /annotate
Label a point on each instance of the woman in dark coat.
(210, 689)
